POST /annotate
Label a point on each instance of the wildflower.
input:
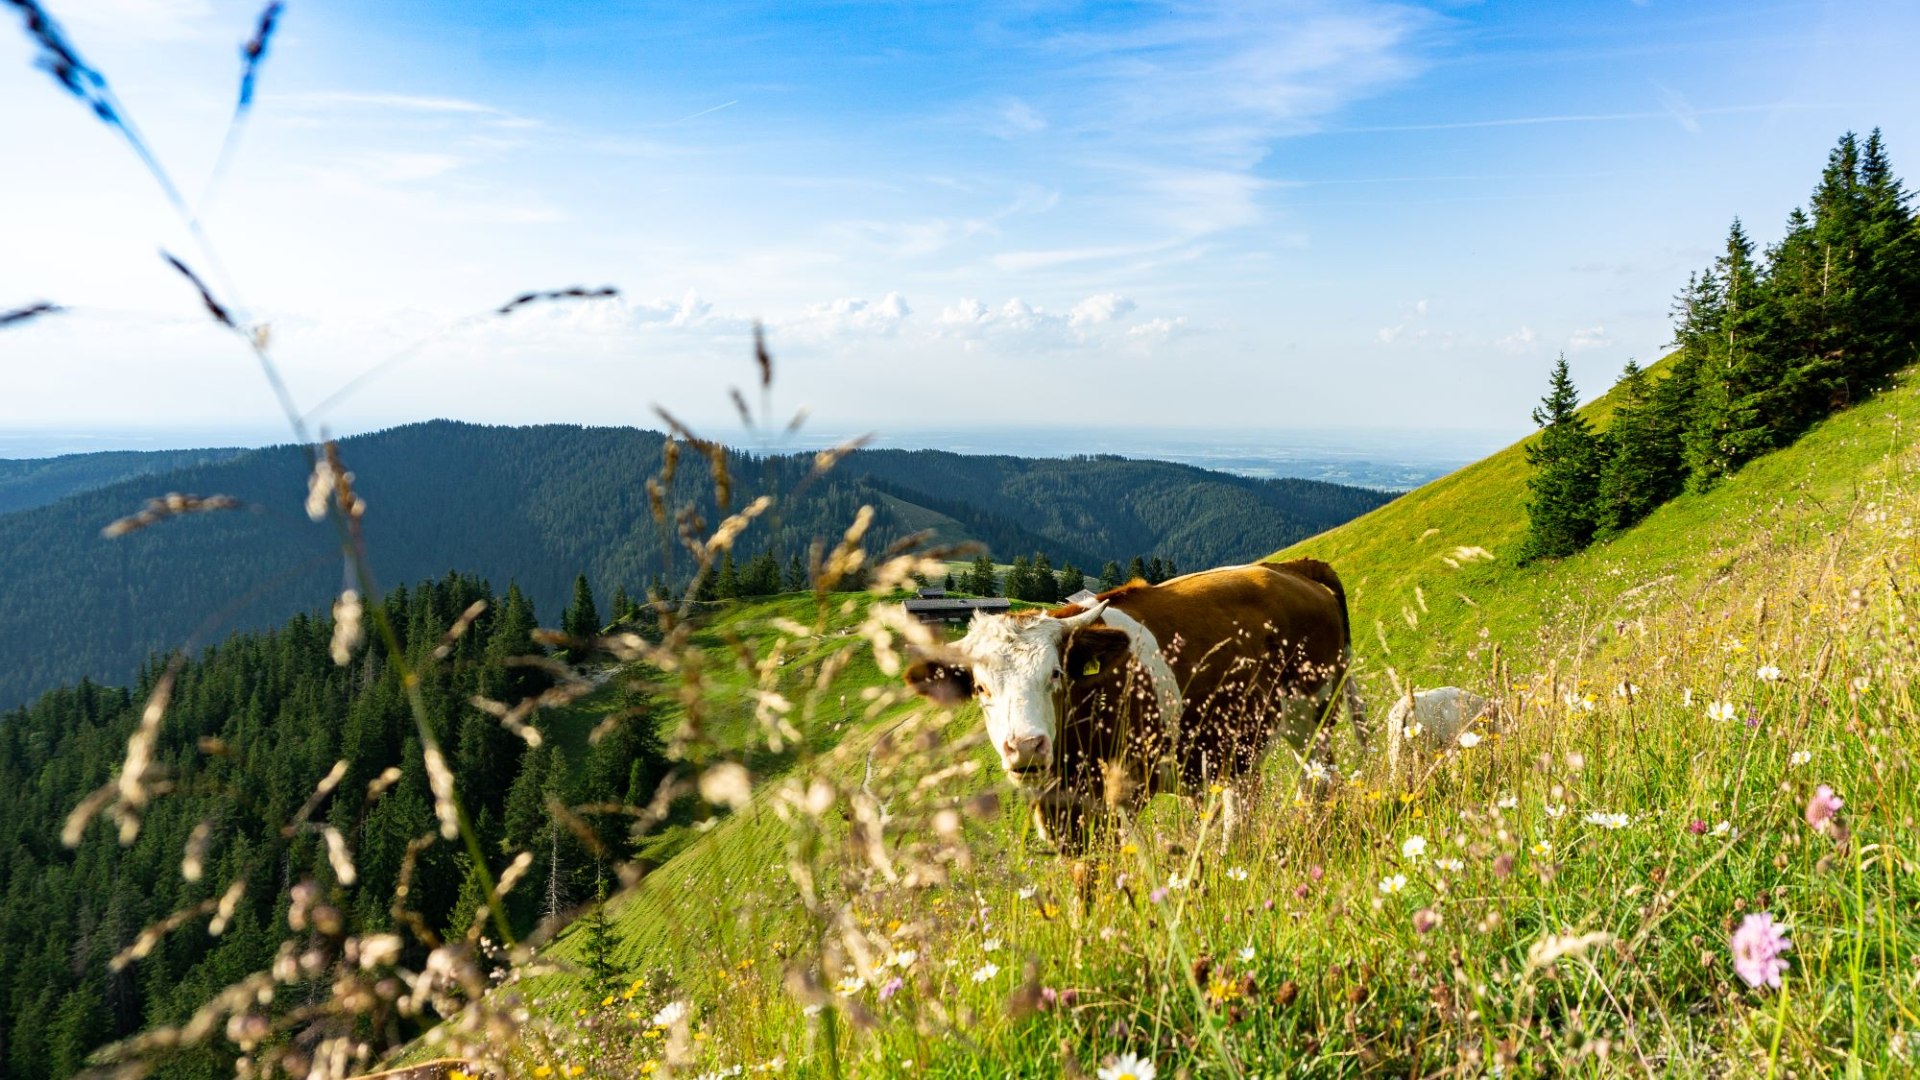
(1318, 772)
(1027, 892)
(1393, 884)
(1757, 946)
(890, 988)
(1556, 810)
(1177, 882)
(1723, 828)
(848, 987)
(1823, 807)
(1128, 1067)
(1158, 896)
(1543, 849)
(1607, 821)
(1507, 802)
(1452, 866)
(670, 1014)
(1246, 955)
(811, 1010)
(992, 944)
(1697, 827)
(1800, 757)
(985, 971)
(1413, 848)
(1425, 921)
(1237, 873)
(1413, 730)
(1469, 739)
(1769, 673)
(1722, 711)
(1626, 690)
(904, 960)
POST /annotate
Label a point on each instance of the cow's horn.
(1085, 618)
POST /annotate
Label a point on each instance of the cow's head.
(1015, 666)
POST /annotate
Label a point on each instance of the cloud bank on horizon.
(1288, 214)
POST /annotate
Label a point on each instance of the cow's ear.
(940, 683)
(1095, 651)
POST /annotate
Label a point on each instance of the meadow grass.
(1557, 899)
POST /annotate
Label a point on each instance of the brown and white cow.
(1176, 686)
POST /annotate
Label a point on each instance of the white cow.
(1430, 721)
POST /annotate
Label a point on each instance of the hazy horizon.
(1390, 459)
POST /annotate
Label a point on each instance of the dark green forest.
(1770, 343)
(535, 506)
(254, 725)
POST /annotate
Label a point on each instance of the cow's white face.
(1014, 664)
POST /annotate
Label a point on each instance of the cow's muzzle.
(1026, 754)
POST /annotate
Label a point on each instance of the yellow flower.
(1129, 848)
(540, 1072)
(1216, 789)
(607, 1002)
(1049, 911)
(647, 1068)
(456, 1074)
(576, 1070)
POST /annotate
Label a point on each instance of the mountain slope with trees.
(538, 506)
(29, 482)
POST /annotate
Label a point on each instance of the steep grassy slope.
(1416, 611)
(1555, 900)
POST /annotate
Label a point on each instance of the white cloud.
(1101, 308)
(851, 315)
(1519, 341)
(1157, 330)
(1589, 337)
(148, 20)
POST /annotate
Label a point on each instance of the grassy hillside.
(1557, 899)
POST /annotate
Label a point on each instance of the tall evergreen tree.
(581, 620)
(1642, 469)
(796, 576)
(1723, 428)
(1137, 569)
(1071, 580)
(1110, 576)
(726, 584)
(1562, 514)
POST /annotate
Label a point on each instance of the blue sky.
(1260, 216)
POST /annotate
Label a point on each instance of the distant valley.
(537, 505)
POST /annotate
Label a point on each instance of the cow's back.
(1255, 650)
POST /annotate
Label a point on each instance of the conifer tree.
(982, 581)
(1137, 569)
(597, 942)
(951, 584)
(1642, 468)
(1044, 586)
(1071, 581)
(582, 619)
(796, 575)
(1723, 429)
(1019, 579)
(726, 584)
(1562, 513)
(1110, 577)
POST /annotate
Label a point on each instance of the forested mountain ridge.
(29, 482)
(538, 505)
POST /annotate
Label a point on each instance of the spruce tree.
(1046, 588)
(1137, 569)
(1723, 429)
(982, 581)
(1019, 580)
(1641, 465)
(1110, 576)
(796, 575)
(581, 621)
(726, 584)
(622, 605)
(1562, 514)
(1071, 580)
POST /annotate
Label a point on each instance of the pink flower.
(1697, 827)
(891, 988)
(1757, 946)
(1158, 896)
(1823, 807)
